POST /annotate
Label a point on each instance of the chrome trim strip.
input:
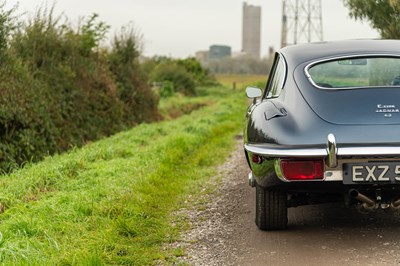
(332, 154)
(369, 151)
(282, 152)
(334, 174)
(285, 71)
(278, 171)
(307, 73)
(332, 151)
(282, 82)
(372, 151)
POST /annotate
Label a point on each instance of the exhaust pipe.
(395, 204)
(367, 203)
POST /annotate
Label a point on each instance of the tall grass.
(110, 202)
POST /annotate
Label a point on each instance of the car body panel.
(296, 123)
(340, 107)
(310, 114)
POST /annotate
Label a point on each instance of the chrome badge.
(387, 109)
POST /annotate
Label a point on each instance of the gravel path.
(223, 231)
(209, 242)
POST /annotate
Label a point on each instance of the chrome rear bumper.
(331, 153)
(333, 156)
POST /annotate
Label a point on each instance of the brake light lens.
(257, 159)
(302, 170)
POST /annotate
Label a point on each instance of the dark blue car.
(326, 129)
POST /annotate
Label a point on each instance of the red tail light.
(302, 170)
(256, 159)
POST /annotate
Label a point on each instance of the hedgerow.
(60, 89)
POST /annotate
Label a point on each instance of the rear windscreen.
(356, 72)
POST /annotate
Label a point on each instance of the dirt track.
(224, 233)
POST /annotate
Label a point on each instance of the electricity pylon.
(301, 21)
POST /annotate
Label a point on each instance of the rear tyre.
(271, 209)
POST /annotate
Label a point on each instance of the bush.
(167, 89)
(60, 89)
(26, 130)
(139, 101)
(181, 79)
(82, 94)
(200, 74)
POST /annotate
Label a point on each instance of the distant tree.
(181, 79)
(140, 101)
(194, 67)
(383, 15)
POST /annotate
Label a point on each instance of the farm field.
(241, 80)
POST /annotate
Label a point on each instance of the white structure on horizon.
(301, 22)
(251, 30)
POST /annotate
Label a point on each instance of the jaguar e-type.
(326, 128)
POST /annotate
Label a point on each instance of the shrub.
(182, 80)
(82, 92)
(26, 130)
(167, 89)
(60, 89)
(140, 101)
(200, 74)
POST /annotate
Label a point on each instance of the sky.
(179, 28)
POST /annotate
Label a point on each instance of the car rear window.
(356, 72)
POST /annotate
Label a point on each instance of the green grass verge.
(178, 105)
(111, 201)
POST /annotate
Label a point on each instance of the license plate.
(376, 172)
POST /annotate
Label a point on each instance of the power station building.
(251, 31)
(214, 53)
(218, 52)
